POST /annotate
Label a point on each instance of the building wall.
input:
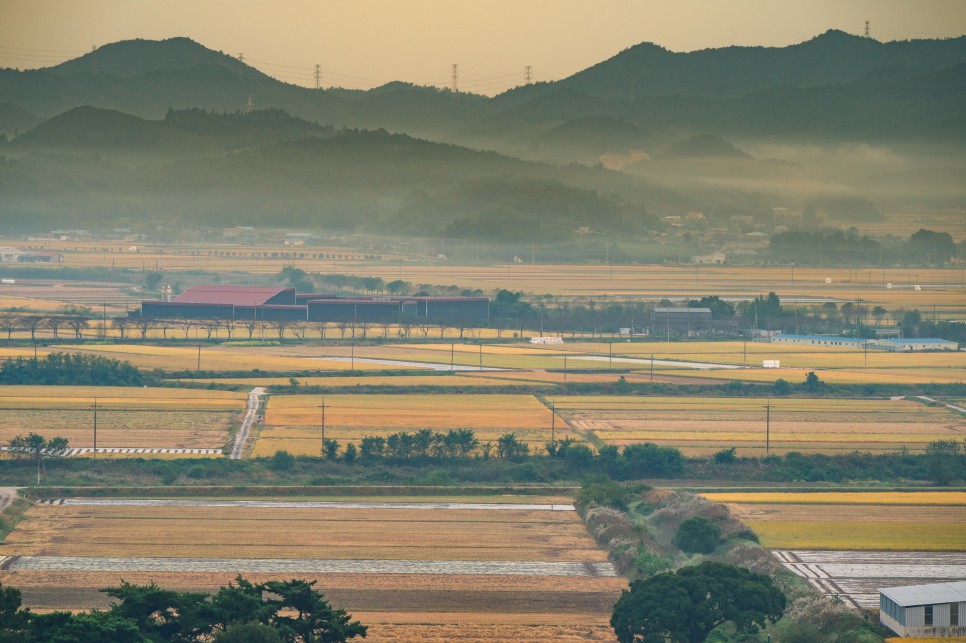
(338, 311)
(450, 310)
(172, 310)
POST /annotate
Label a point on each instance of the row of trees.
(924, 247)
(70, 369)
(273, 612)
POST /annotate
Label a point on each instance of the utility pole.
(250, 105)
(565, 368)
(527, 75)
(455, 76)
(95, 426)
(452, 356)
(767, 426)
(241, 55)
(652, 368)
(867, 34)
(481, 356)
(318, 77)
(323, 425)
(199, 358)
(553, 424)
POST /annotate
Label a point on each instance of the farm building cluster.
(241, 303)
(918, 344)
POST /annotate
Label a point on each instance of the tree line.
(272, 612)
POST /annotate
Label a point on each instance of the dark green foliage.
(330, 449)
(781, 387)
(291, 611)
(945, 461)
(930, 248)
(720, 309)
(282, 461)
(651, 461)
(508, 447)
(603, 492)
(824, 248)
(70, 369)
(812, 382)
(726, 456)
(647, 563)
(686, 605)
(697, 535)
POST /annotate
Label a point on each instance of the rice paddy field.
(126, 417)
(293, 422)
(703, 425)
(512, 586)
(889, 521)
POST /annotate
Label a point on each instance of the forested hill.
(720, 91)
(202, 169)
(833, 58)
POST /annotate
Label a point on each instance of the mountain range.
(140, 127)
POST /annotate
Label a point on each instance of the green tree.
(781, 387)
(812, 382)
(508, 447)
(315, 620)
(684, 606)
(36, 446)
(944, 461)
(697, 535)
(248, 633)
(84, 627)
(162, 613)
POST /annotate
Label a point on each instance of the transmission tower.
(527, 75)
(250, 106)
(455, 75)
(867, 35)
(241, 57)
(318, 77)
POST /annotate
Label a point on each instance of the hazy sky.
(364, 43)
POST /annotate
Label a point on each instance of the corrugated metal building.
(918, 344)
(934, 610)
(820, 340)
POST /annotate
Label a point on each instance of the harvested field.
(487, 572)
(126, 417)
(856, 575)
(699, 426)
(449, 381)
(293, 422)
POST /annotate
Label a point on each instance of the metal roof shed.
(933, 610)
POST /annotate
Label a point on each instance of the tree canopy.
(688, 604)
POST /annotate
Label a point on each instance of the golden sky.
(365, 43)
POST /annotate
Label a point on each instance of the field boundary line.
(309, 504)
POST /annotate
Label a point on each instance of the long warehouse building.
(243, 303)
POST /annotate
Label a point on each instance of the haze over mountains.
(158, 129)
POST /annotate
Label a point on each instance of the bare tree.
(185, 325)
(424, 327)
(250, 325)
(280, 326)
(77, 323)
(229, 326)
(210, 326)
(53, 324)
(343, 325)
(144, 324)
(164, 325)
(121, 324)
(32, 323)
(10, 323)
(364, 326)
(320, 327)
(298, 329)
(386, 325)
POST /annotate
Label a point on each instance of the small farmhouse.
(934, 610)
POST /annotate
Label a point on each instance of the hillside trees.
(686, 605)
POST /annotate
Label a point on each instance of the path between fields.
(251, 412)
(7, 495)
(946, 404)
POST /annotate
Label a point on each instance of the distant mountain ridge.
(712, 90)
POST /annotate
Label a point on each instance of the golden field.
(936, 498)
(293, 422)
(126, 417)
(931, 521)
(703, 425)
(396, 606)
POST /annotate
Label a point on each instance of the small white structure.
(819, 340)
(771, 363)
(546, 339)
(934, 610)
(713, 258)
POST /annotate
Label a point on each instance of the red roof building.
(237, 295)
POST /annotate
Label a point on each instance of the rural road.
(254, 397)
(946, 404)
(7, 495)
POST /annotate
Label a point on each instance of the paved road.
(946, 404)
(307, 566)
(284, 504)
(251, 412)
